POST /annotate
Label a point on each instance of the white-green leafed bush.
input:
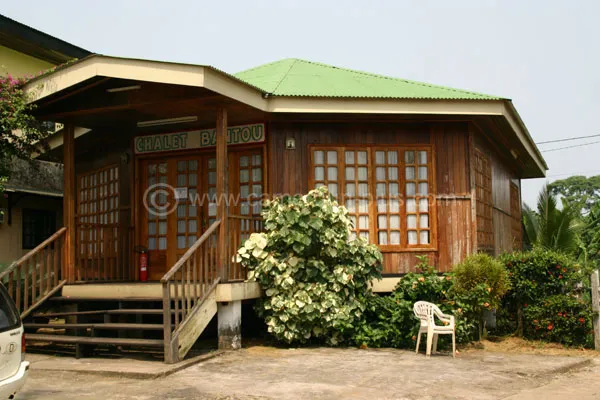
(315, 278)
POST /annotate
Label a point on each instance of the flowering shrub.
(535, 275)
(480, 281)
(20, 133)
(483, 275)
(560, 318)
(316, 279)
(390, 321)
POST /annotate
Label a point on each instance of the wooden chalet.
(174, 159)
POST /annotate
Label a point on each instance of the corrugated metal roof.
(294, 77)
(36, 176)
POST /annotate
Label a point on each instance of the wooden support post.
(68, 267)
(596, 308)
(222, 194)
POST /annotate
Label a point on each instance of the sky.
(542, 54)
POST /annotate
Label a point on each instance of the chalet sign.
(242, 134)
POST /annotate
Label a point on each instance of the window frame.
(89, 240)
(372, 187)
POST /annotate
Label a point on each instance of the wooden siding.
(483, 185)
(454, 226)
(289, 174)
(499, 218)
(452, 150)
(515, 211)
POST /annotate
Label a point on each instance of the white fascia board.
(518, 126)
(384, 106)
(111, 67)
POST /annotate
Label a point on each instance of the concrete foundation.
(229, 320)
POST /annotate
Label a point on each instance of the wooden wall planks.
(505, 203)
(288, 173)
(454, 226)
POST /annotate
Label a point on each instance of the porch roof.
(87, 94)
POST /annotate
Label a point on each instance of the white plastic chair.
(426, 312)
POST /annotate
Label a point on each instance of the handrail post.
(222, 193)
(169, 356)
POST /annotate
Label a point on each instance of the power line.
(567, 139)
(574, 173)
(569, 147)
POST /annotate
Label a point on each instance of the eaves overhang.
(68, 76)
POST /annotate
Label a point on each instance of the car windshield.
(8, 313)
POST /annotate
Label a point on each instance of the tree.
(21, 134)
(549, 227)
(578, 192)
(589, 240)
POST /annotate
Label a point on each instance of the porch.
(120, 178)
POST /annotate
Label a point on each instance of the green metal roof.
(294, 77)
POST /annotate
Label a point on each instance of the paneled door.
(179, 204)
(158, 200)
(179, 195)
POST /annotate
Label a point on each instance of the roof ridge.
(395, 79)
(267, 64)
(294, 61)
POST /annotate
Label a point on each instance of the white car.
(13, 367)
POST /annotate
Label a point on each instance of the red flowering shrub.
(542, 303)
(562, 319)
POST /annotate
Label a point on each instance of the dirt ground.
(522, 346)
(261, 372)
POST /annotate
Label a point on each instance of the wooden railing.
(240, 229)
(36, 276)
(104, 252)
(187, 284)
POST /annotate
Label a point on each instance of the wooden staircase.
(169, 324)
(93, 324)
(86, 326)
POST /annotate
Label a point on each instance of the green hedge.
(545, 302)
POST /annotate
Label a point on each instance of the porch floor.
(153, 291)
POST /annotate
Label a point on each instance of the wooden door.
(155, 214)
(189, 217)
(179, 204)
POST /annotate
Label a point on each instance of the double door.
(180, 201)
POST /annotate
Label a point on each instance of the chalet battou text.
(242, 134)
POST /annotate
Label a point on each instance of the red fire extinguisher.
(143, 263)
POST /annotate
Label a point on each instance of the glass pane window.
(386, 189)
(249, 201)
(355, 190)
(98, 204)
(325, 170)
(387, 183)
(417, 193)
